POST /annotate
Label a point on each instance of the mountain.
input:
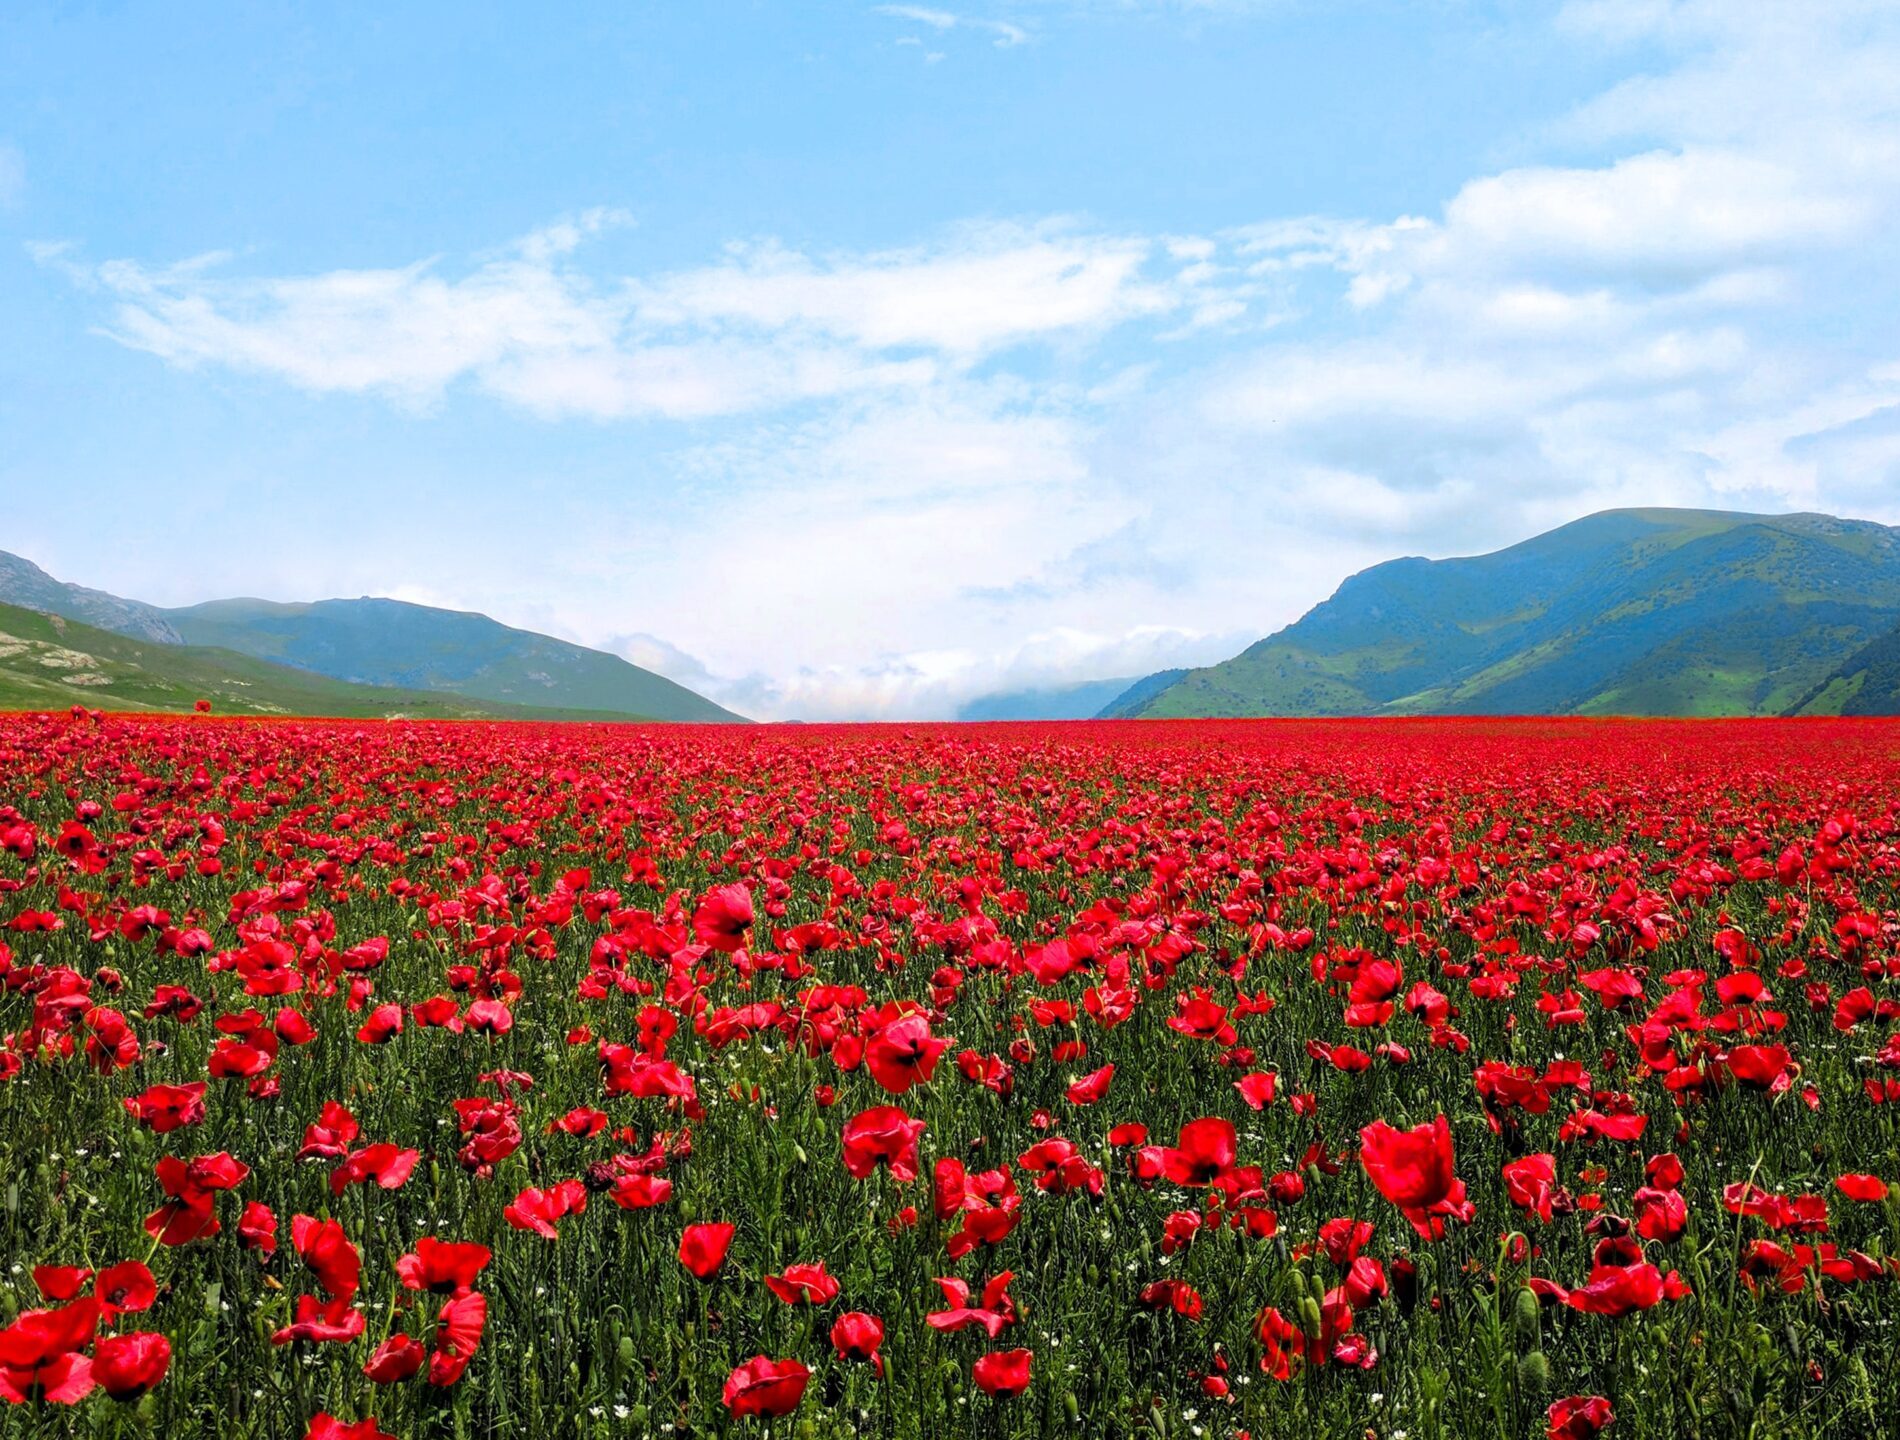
(48, 662)
(1138, 693)
(1642, 612)
(391, 642)
(387, 643)
(1081, 701)
(1866, 683)
(24, 583)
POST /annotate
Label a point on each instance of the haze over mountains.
(1638, 612)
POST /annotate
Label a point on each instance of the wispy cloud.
(1004, 34)
(761, 328)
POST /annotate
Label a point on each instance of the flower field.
(1424, 1079)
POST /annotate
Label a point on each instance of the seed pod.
(1310, 1319)
(1525, 1314)
(626, 1349)
(1533, 1372)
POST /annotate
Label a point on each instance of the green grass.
(50, 663)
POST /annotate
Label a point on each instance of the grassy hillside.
(1660, 612)
(48, 662)
(1866, 683)
(492, 668)
(418, 647)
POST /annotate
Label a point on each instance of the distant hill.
(1137, 694)
(387, 643)
(1081, 701)
(1643, 612)
(48, 662)
(24, 583)
(391, 642)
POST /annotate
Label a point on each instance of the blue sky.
(853, 360)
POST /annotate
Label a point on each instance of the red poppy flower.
(257, 1229)
(442, 1266)
(1865, 1188)
(1579, 1417)
(165, 1108)
(763, 1386)
(384, 1024)
(994, 1311)
(322, 1322)
(1531, 1182)
(383, 1164)
(641, 1192)
(1413, 1169)
(124, 1289)
(1205, 1152)
(1257, 1088)
(324, 1247)
(883, 1135)
(723, 917)
(327, 1427)
(1002, 1373)
(902, 1053)
(1618, 1289)
(537, 1210)
(703, 1248)
(857, 1336)
(458, 1331)
(60, 1283)
(1090, 1088)
(803, 1284)
(39, 1354)
(192, 1185)
(396, 1359)
(127, 1366)
(329, 1137)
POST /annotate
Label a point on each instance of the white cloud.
(763, 328)
(935, 19)
(988, 287)
(1004, 34)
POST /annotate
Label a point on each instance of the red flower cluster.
(953, 1065)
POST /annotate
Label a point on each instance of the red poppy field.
(1422, 1079)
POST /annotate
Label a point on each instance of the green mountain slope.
(382, 643)
(1653, 612)
(391, 642)
(48, 662)
(1130, 700)
(1866, 683)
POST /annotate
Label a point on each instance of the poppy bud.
(1533, 1372)
(1310, 1319)
(1525, 1314)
